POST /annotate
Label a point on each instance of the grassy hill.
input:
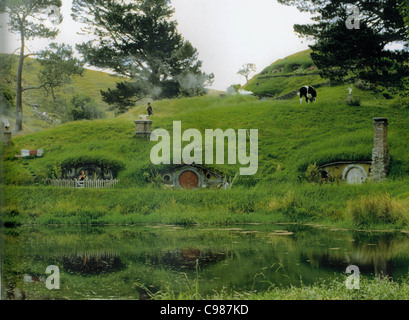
(285, 75)
(291, 136)
(90, 83)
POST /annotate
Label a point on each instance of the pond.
(131, 262)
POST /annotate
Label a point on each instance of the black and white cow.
(308, 93)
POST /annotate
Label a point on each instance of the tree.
(59, 66)
(246, 70)
(84, 107)
(7, 98)
(340, 51)
(7, 81)
(404, 9)
(137, 41)
(26, 18)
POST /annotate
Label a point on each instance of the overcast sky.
(226, 33)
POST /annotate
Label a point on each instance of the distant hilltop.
(285, 76)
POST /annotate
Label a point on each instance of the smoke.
(191, 81)
(231, 91)
(234, 89)
(244, 92)
(155, 92)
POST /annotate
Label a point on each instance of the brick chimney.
(380, 151)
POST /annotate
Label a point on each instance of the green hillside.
(285, 75)
(291, 137)
(90, 83)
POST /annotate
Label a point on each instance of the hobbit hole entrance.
(354, 174)
(192, 177)
(188, 180)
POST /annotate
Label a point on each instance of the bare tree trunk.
(19, 98)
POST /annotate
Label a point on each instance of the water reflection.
(188, 258)
(373, 252)
(92, 263)
(131, 262)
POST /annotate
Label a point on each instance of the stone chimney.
(143, 127)
(380, 151)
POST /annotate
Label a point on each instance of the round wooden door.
(188, 180)
(355, 176)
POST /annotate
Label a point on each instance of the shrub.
(233, 89)
(313, 174)
(7, 96)
(376, 209)
(84, 107)
(400, 103)
(363, 85)
(354, 102)
(294, 209)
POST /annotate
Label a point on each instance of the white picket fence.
(69, 183)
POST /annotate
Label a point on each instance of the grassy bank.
(369, 289)
(370, 205)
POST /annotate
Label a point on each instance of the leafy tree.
(26, 18)
(7, 80)
(404, 9)
(7, 98)
(7, 72)
(365, 52)
(138, 41)
(59, 66)
(84, 107)
(233, 89)
(246, 70)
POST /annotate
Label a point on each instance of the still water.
(130, 262)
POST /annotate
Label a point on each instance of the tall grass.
(370, 289)
(264, 203)
(378, 209)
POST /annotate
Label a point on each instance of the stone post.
(7, 137)
(6, 133)
(143, 127)
(380, 151)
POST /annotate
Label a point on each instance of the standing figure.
(82, 177)
(149, 109)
